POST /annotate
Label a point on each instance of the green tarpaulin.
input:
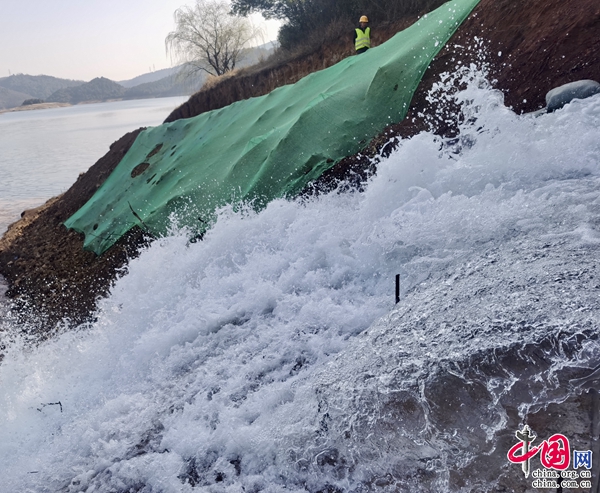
(266, 147)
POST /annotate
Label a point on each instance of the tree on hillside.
(274, 9)
(208, 38)
(305, 17)
(295, 10)
(301, 17)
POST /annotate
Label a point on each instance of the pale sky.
(84, 39)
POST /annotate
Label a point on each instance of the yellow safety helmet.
(364, 18)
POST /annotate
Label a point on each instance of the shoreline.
(39, 106)
(46, 106)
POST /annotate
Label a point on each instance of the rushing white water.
(270, 356)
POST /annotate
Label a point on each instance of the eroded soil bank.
(532, 47)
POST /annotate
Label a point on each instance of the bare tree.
(208, 38)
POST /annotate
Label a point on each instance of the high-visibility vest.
(363, 38)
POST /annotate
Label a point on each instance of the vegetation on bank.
(207, 39)
(29, 102)
(307, 21)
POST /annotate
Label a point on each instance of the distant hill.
(98, 89)
(36, 86)
(10, 98)
(161, 83)
(149, 77)
(165, 87)
(252, 56)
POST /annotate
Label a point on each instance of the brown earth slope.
(533, 46)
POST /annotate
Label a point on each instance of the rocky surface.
(564, 94)
(531, 48)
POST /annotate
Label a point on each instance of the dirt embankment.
(47, 270)
(534, 46)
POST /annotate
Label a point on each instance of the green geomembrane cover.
(266, 147)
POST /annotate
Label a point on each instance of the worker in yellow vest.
(362, 35)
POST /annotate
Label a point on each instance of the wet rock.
(562, 95)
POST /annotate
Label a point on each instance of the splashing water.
(270, 355)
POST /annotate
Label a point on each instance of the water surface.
(43, 151)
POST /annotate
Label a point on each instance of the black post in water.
(397, 288)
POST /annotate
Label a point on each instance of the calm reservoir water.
(43, 151)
